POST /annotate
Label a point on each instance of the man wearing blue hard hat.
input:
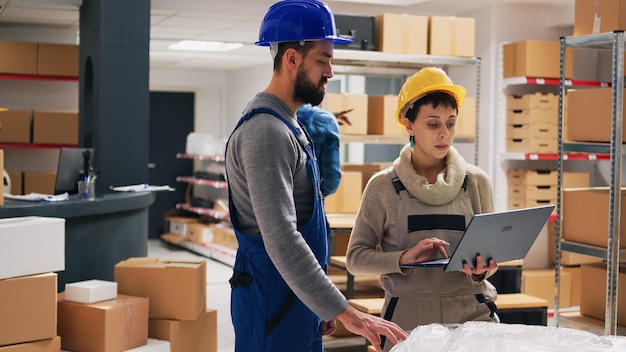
(281, 298)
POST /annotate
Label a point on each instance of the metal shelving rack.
(615, 42)
(376, 63)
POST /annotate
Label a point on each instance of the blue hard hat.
(296, 20)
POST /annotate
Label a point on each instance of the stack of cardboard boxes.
(24, 125)
(176, 290)
(33, 248)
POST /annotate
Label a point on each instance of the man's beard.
(307, 92)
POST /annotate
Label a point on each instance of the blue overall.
(266, 314)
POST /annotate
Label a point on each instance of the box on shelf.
(57, 59)
(401, 33)
(55, 127)
(593, 292)
(567, 258)
(381, 120)
(530, 131)
(359, 28)
(517, 203)
(108, 326)
(224, 235)
(15, 126)
(179, 225)
(176, 288)
(187, 335)
(28, 308)
(348, 195)
(537, 100)
(47, 345)
(336, 102)
(583, 103)
(599, 16)
(535, 58)
(39, 182)
(18, 57)
(466, 120)
(451, 36)
(367, 170)
(540, 283)
(16, 182)
(585, 216)
(575, 273)
(532, 116)
(198, 232)
(90, 291)
(532, 192)
(31, 245)
(532, 145)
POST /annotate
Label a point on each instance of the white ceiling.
(223, 20)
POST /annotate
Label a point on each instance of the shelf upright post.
(613, 244)
(557, 266)
(477, 124)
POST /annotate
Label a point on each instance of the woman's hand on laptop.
(423, 250)
(479, 269)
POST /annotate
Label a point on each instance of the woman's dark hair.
(436, 99)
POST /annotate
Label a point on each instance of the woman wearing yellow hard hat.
(417, 210)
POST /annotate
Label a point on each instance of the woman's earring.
(412, 141)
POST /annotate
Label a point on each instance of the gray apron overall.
(431, 295)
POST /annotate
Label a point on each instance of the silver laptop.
(503, 236)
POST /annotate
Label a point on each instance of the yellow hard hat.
(425, 81)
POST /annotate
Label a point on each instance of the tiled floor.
(218, 297)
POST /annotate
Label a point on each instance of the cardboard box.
(532, 145)
(532, 192)
(179, 225)
(335, 102)
(39, 182)
(381, 119)
(595, 102)
(451, 36)
(593, 293)
(55, 127)
(108, 326)
(535, 58)
(540, 283)
(90, 291)
(28, 308)
(538, 100)
(16, 182)
(599, 16)
(401, 33)
(348, 196)
(187, 335)
(575, 273)
(47, 345)
(15, 126)
(18, 57)
(176, 288)
(366, 170)
(466, 120)
(31, 245)
(197, 232)
(567, 258)
(586, 216)
(224, 235)
(57, 59)
(533, 116)
(536, 177)
(532, 131)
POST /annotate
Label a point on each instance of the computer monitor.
(70, 169)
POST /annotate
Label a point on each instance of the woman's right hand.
(423, 250)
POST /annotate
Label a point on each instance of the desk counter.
(98, 233)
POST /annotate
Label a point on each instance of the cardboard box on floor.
(28, 308)
(47, 345)
(187, 335)
(107, 326)
(176, 288)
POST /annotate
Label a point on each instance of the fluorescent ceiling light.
(202, 45)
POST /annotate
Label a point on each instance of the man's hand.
(342, 118)
(371, 327)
